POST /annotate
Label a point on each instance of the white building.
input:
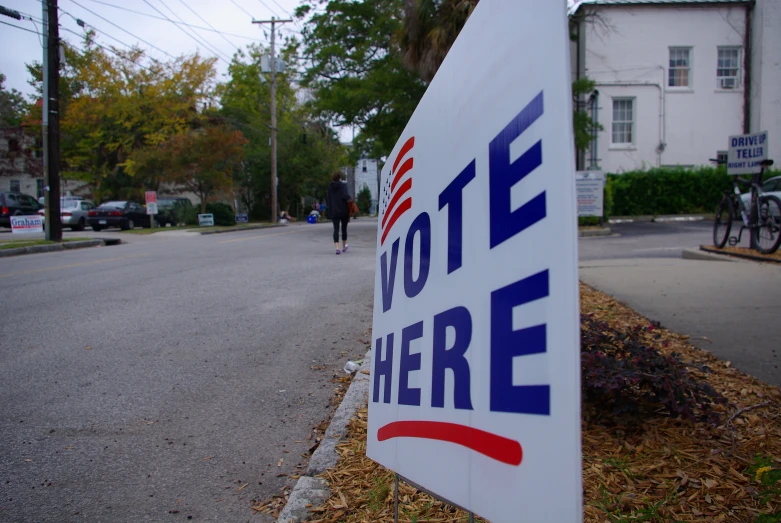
(676, 78)
(367, 174)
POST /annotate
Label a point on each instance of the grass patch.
(156, 230)
(16, 244)
(237, 227)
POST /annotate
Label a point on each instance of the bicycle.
(762, 218)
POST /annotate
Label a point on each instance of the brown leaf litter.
(662, 470)
(776, 256)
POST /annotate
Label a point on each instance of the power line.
(213, 50)
(118, 27)
(110, 50)
(22, 28)
(207, 23)
(150, 15)
(237, 5)
(269, 8)
(83, 24)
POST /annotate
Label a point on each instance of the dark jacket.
(337, 200)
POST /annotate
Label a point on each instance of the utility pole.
(51, 120)
(273, 63)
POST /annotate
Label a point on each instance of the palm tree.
(429, 30)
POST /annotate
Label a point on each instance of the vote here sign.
(475, 374)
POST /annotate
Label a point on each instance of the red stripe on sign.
(406, 186)
(405, 206)
(404, 150)
(494, 446)
(405, 168)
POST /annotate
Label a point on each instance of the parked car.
(16, 204)
(172, 211)
(123, 214)
(771, 186)
(73, 212)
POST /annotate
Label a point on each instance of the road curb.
(250, 228)
(715, 252)
(665, 218)
(589, 233)
(694, 254)
(35, 249)
(309, 490)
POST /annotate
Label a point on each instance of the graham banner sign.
(475, 378)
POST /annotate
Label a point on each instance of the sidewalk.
(732, 309)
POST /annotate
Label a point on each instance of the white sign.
(26, 224)
(475, 380)
(206, 220)
(591, 192)
(746, 153)
(151, 208)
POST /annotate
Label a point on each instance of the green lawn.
(15, 244)
(157, 229)
(237, 227)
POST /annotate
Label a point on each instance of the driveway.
(732, 309)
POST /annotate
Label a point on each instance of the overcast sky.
(229, 16)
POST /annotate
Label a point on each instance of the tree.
(204, 161)
(364, 199)
(116, 103)
(12, 106)
(356, 71)
(308, 151)
(430, 29)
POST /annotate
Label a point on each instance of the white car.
(73, 212)
(772, 186)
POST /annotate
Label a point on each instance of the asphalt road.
(650, 240)
(169, 377)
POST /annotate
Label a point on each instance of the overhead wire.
(118, 27)
(22, 28)
(207, 23)
(150, 15)
(217, 52)
(110, 50)
(237, 5)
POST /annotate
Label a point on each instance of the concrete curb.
(313, 491)
(727, 255)
(661, 219)
(694, 254)
(588, 233)
(250, 228)
(34, 249)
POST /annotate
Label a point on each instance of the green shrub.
(588, 221)
(667, 190)
(223, 213)
(364, 199)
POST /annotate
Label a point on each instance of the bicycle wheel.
(767, 233)
(723, 223)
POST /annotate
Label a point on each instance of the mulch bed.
(661, 469)
(743, 252)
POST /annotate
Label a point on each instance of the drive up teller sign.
(475, 373)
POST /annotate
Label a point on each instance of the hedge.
(666, 191)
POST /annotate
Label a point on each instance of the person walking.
(337, 204)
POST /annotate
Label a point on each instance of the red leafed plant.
(624, 376)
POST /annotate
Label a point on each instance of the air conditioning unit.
(728, 83)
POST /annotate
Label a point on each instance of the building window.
(364, 168)
(13, 145)
(16, 186)
(39, 188)
(623, 121)
(680, 66)
(728, 68)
